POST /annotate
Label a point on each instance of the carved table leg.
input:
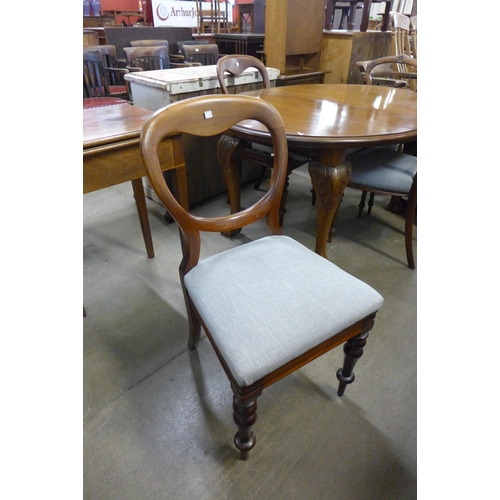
(229, 151)
(244, 416)
(353, 350)
(329, 185)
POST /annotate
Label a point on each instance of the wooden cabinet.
(294, 30)
(341, 50)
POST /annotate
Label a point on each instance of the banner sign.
(180, 13)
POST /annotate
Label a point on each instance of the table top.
(110, 124)
(338, 115)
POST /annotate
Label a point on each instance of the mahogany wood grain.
(322, 121)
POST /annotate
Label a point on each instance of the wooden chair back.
(206, 53)
(189, 42)
(413, 36)
(208, 116)
(236, 64)
(401, 29)
(147, 58)
(110, 60)
(393, 61)
(149, 43)
(95, 83)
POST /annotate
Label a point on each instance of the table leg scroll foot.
(329, 185)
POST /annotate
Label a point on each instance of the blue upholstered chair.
(386, 170)
(270, 306)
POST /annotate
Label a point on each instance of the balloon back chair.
(385, 170)
(269, 306)
(233, 65)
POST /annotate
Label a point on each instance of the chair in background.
(257, 153)
(206, 54)
(263, 320)
(345, 8)
(150, 58)
(413, 36)
(403, 45)
(189, 42)
(118, 86)
(149, 43)
(393, 72)
(387, 171)
(401, 38)
(147, 58)
(96, 89)
(349, 12)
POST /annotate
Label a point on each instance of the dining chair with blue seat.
(269, 306)
(388, 170)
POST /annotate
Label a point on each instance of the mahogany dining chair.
(233, 65)
(385, 170)
(269, 306)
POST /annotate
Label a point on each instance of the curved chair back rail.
(262, 155)
(402, 62)
(236, 64)
(208, 116)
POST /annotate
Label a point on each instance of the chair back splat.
(147, 58)
(269, 306)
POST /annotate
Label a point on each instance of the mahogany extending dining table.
(111, 155)
(322, 121)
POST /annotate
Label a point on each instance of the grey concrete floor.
(158, 418)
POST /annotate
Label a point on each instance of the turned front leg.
(329, 185)
(244, 416)
(353, 350)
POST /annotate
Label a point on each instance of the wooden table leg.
(229, 152)
(140, 201)
(329, 180)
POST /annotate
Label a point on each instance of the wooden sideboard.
(341, 50)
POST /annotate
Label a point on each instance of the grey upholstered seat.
(387, 171)
(383, 168)
(310, 300)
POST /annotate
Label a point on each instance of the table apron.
(105, 166)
